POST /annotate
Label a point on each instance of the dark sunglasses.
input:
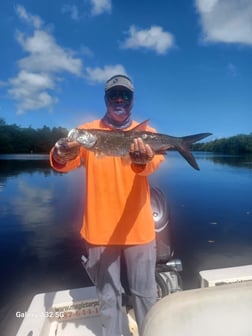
(113, 95)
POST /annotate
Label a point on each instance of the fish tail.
(183, 147)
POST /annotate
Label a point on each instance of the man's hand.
(65, 150)
(140, 153)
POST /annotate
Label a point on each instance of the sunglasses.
(113, 95)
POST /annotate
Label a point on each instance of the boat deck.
(70, 312)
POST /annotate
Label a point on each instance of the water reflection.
(13, 165)
(35, 198)
(40, 214)
(230, 160)
(34, 201)
(211, 211)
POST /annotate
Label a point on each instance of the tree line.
(15, 139)
(238, 144)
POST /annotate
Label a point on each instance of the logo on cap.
(119, 80)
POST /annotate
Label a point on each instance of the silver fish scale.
(117, 143)
(112, 143)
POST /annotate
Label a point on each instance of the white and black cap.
(119, 80)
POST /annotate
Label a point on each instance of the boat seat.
(218, 311)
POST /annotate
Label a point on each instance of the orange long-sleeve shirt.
(117, 208)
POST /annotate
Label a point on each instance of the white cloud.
(34, 20)
(72, 10)
(95, 8)
(101, 75)
(45, 55)
(100, 6)
(154, 38)
(86, 51)
(30, 90)
(228, 21)
(39, 72)
(206, 6)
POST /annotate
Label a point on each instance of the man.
(117, 217)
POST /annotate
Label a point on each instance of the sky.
(190, 61)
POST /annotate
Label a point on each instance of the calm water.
(40, 216)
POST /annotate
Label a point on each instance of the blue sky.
(190, 61)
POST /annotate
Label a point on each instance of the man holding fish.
(118, 217)
(118, 155)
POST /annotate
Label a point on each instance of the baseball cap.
(119, 80)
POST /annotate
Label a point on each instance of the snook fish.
(117, 143)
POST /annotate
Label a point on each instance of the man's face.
(119, 102)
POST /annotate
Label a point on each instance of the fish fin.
(184, 147)
(190, 139)
(161, 152)
(141, 127)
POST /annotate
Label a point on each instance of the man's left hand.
(140, 153)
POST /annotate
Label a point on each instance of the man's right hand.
(65, 150)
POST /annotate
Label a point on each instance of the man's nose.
(119, 99)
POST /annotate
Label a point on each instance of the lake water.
(41, 210)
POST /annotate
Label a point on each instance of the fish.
(117, 142)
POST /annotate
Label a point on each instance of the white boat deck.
(228, 275)
(72, 312)
(85, 327)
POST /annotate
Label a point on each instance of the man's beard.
(118, 115)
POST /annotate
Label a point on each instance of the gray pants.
(103, 267)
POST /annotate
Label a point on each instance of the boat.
(221, 306)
